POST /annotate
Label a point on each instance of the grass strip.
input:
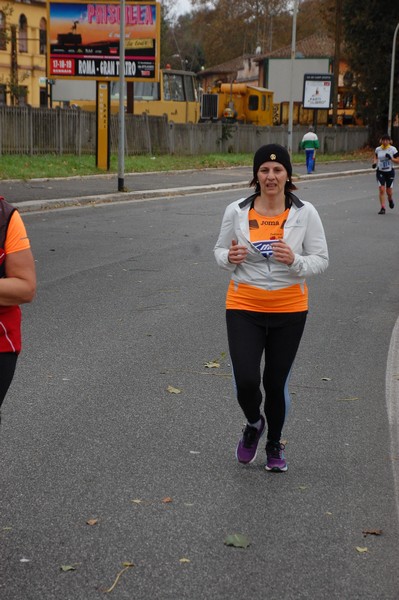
(67, 165)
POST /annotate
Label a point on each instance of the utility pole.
(291, 103)
(121, 145)
(337, 57)
(392, 80)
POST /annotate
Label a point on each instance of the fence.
(27, 130)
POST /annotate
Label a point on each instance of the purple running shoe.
(275, 457)
(248, 445)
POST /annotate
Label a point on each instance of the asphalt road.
(130, 302)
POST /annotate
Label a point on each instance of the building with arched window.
(23, 39)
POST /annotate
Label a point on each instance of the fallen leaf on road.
(136, 501)
(237, 540)
(167, 500)
(372, 532)
(66, 568)
(173, 390)
(127, 565)
(212, 364)
(184, 560)
(361, 550)
(92, 522)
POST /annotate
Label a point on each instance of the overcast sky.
(182, 6)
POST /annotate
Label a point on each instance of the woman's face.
(272, 177)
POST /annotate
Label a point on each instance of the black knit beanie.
(272, 152)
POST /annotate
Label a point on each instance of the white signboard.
(278, 76)
(317, 90)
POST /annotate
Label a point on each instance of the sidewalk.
(43, 194)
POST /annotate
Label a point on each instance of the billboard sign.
(83, 40)
(317, 90)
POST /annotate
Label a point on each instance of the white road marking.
(392, 400)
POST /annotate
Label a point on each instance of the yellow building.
(23, 38)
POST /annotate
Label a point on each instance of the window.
(22, 95)
(3, 33)
(3, 92)
(43, 98)
(166, 91)
(43, 36)
(253, 103)
(146, 90)
(348, 78)
(23, 34)
(173, 87)
(263, 102)
(347, 100)
(189, 88)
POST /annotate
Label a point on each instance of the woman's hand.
(237, 253)
(283, 253)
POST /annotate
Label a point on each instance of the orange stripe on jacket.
(243, 296)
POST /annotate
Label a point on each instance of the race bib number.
(265, 247)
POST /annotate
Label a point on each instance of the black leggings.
(8, 361)
(277, 335)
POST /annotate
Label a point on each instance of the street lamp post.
(392, 78)
(291, 104)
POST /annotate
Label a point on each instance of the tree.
(220, 30)
(313, 18)
(168, 47)
(368, 33)
(226, 29)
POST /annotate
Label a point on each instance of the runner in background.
(385, 155)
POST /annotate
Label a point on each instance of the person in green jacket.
(310, 143)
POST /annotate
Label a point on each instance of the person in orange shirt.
(270, 242)
(17, 286)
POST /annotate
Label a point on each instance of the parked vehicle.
(238, 103)
(175, 95)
